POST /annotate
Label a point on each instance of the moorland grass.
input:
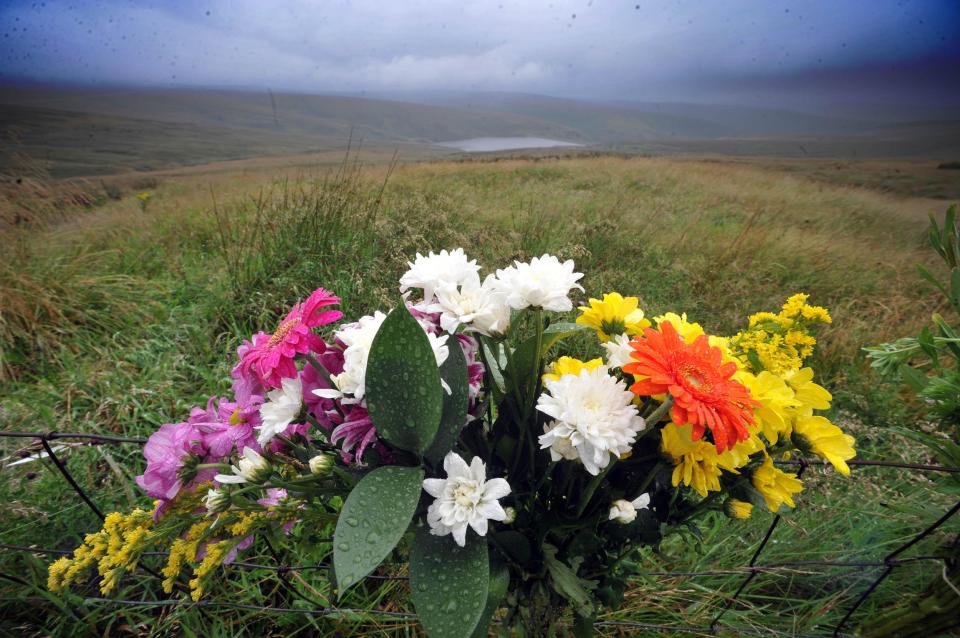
(130, 317)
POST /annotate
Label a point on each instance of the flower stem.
(659, 413)
(591, 488)
(214, 466)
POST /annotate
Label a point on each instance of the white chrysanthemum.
(251, 467)
(625, 512)
(544, 283)
(464, 498)
(351, 384)
(618, 351)
(436, 270)
(561, 447)
(480, 306)
(595, 412)
(357, 337)
(281, 408)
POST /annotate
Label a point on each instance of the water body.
(488, 144)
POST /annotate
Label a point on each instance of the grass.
(117, 320)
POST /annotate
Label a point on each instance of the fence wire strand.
(888, 565)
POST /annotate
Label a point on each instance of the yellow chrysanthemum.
(614, 315)
(688, 330)
(739, 455)
(775, 397)
(816, 434)
(697, 463)
(569, 365)
(737, 509)
(809, 395)
(776, 486)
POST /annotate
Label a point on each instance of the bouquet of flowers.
(453, 433)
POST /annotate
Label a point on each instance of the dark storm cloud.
(618, 50)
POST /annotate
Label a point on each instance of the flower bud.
(188, 470)
(623, 512)
(321, 464)
(737, 509)
(253, 467)
(511, 515)
(216, 501)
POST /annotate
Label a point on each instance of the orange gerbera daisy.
(704, 394)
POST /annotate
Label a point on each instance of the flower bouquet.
(453, 433)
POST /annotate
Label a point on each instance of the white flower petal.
(455, 466)
(434, 487)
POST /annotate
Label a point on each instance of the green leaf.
(525, 356)
(928, 346)
(403, 392)
(499, 583)
(375, 516)
(495, 367)
(454, 372)
(567, 583)
(913, 378)
(450, 583)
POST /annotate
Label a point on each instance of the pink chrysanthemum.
(475, 368)
(166, 451)
(270, 358)
(357, 433)
(226, 425)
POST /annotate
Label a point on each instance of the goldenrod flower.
(776, 486)
(615, 315)
(779, 343)
(816, 434)
(569, 365)
(737, 509)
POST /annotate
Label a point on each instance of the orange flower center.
(236, 419)
(283, 331)
(696, 378)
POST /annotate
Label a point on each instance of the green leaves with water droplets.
(449, 583)
(403, 391)
(499, 583)
(374, 517)
(454, 372)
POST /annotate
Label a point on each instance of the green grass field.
(117, 320)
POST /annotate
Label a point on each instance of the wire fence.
(890, 562)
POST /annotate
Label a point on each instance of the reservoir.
(488, 144)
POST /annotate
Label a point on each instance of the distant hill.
(99, 131)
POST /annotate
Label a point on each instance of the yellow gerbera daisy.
(816, 434)
(775, 397)
(776, 486)
(688, 330)
(615, 315)
(569, 365)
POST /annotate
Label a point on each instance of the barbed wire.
(752, 569)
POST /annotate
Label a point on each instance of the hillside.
(103, 131)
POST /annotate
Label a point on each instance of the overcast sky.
(711, 50)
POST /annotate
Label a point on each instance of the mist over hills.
(92, 131)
